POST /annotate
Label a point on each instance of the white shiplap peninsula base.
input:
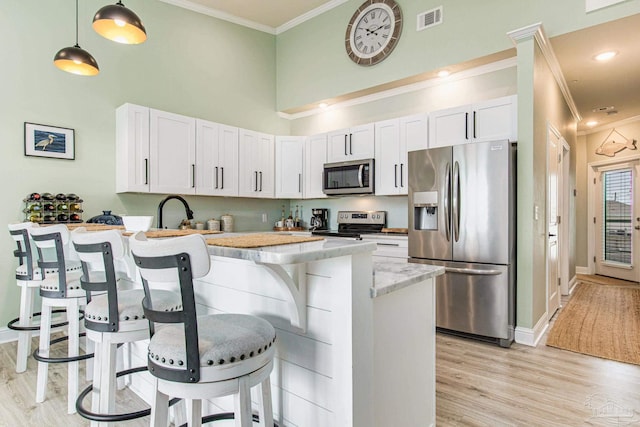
(351, 350)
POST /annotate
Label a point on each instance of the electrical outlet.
(264, 217)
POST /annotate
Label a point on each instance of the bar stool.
(200, 357)
(28, 278)
(62, 290)
(113, 317)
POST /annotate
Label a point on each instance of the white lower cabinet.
(315, 156)
(256, 165)
(289, 167)
(390, 246)
(216, 159)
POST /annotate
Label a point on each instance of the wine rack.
(47, 208)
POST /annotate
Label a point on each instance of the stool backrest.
(178, 260)
(52, 243)
(97, 252)
(20, 234)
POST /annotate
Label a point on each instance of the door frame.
(563, 229)
(593, 171)
(560, 188)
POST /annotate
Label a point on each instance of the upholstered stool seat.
(200, 357)
(224, 340)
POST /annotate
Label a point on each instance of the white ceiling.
(592, 85)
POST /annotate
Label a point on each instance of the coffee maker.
(319, 219)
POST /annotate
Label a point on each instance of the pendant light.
(116, 22)
(76, 60)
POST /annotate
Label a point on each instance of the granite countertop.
(390, 276)
(295, 253)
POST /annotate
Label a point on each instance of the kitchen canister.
(226, 221)
(213, 224)
(199, 225)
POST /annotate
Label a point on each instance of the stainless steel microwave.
(352, 177)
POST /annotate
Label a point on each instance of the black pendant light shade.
(76, 60)
(116, 22)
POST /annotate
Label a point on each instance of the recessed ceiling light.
(443, 73)
(591, 123)
(605, 56)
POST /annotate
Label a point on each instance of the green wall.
(312, 64)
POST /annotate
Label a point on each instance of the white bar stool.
(28, 278)
(60, 289)
(200, 357)
(113, 316)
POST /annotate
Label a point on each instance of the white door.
(617, 221)
(553, 284)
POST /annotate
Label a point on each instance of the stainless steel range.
(354, 223)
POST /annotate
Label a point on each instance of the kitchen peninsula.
(355, 337)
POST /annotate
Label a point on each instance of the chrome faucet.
(165, 200)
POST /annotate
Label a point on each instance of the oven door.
(352, 177)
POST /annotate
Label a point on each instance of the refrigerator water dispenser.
(425, 210)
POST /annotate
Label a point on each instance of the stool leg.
(194, 412)
(265, 409)
(45, 339)
(24, 337)
(242, 401)
(108, 369)
(159, 407)
(97, 381)
(74, 347)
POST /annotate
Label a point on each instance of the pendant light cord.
(77, 45)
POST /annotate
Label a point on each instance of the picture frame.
(49, 141)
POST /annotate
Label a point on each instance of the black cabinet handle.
(401, 182)
(216, 172)
(395, 175)
(345, 144)
(474, 124)
(299, 183)
(193, 176)
(466, 125)
(146, 171)
(260, 180)
(255, 187)
(350, 143)
(221, 178)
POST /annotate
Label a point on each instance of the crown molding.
(187, 4)
(309, 15)
(472, 72)
(536, 31)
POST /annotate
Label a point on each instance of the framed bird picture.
(49, 141)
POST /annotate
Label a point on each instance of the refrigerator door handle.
(456, 201)
(472, 271)
(447, 207)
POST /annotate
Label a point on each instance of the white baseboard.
(8, 335)
(582, 270)
(531, 337)
(572, 284)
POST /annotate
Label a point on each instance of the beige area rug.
(600, 320)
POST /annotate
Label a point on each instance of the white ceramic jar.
(213, 224)
(226, 222)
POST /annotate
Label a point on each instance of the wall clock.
(373, 31)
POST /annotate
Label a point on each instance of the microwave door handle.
(447, 207)
(360, 172)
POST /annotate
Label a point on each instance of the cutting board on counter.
(394, 230)
(175, 233)
(258, 240)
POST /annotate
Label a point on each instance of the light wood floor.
(478, 384)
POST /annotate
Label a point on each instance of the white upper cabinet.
(216, 159)
(289, 167)
(256, 160)
(315, 156)
(172, 153)
(414, 131)
(355, 143)
(492, 120)
(132, 149)
(394, 138)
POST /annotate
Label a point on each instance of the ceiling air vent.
(429, 18)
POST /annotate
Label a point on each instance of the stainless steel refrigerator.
(462, 216)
